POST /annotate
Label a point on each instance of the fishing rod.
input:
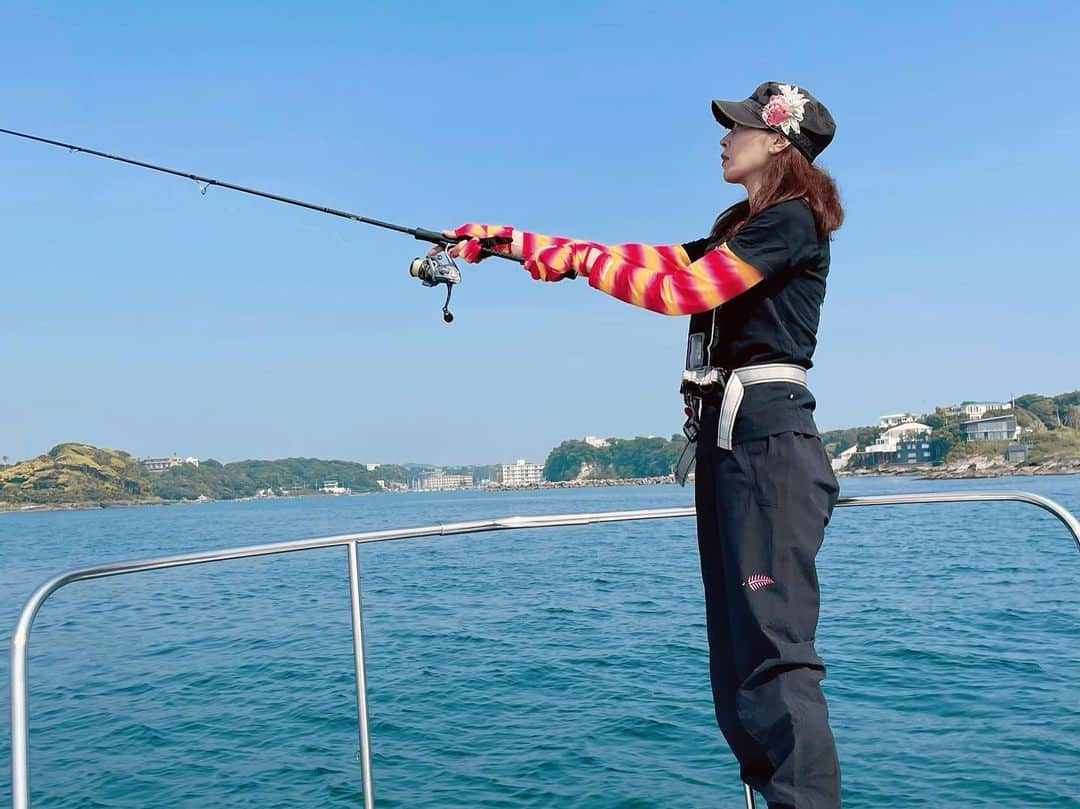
(432, 270)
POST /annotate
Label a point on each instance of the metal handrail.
(20, 638)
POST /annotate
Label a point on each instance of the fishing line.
(431, 270)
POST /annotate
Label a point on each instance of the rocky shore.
(972, 468)
(579, 484)
(149, 501)
(567, 484)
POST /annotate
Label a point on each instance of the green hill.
(74, 473)
(621, 458)
(82, 474)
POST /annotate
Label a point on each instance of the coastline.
(20, 508)
(970, 468)
(580, 484)
(963, 470)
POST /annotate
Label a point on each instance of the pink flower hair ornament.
(785, 109)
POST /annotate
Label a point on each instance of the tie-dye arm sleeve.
(661, 279)
(527, 244)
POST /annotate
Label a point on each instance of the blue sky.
(140, 315)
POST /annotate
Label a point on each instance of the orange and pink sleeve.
(662, 279)
(659, 278)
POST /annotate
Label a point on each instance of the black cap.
(783, 108)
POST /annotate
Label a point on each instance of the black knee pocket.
(782, 701)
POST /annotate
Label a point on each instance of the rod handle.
(425, 235)
(435, 237)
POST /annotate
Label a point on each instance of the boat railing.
(20, 741)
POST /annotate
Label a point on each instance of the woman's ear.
(777, 143)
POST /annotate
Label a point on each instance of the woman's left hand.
(474, 238)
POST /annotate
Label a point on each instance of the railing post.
(361, 678)
(20, 734)
(749, 795)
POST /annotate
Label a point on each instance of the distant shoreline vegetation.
(613, 458)
(79, 474)
(1050, 425)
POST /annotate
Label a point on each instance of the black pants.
(761, 510)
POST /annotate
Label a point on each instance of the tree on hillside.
(1042, 407)
(1072, 417)
(839, 440)
(1068, 399)
(621, 458)
(564, 462)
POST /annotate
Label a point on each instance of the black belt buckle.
(692, 426)
(695, 393)
(709, 390)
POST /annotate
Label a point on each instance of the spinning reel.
(439, 268)
(435, 270)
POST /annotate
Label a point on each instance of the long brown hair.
(789, 175)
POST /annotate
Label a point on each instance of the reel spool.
(434, 270)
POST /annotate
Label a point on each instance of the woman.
(764, 488)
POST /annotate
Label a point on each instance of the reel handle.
(424, 235)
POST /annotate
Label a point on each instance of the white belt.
(741, 378)
(731, 400)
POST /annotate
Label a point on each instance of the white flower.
(796, 102)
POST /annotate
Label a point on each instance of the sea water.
(561, 667)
